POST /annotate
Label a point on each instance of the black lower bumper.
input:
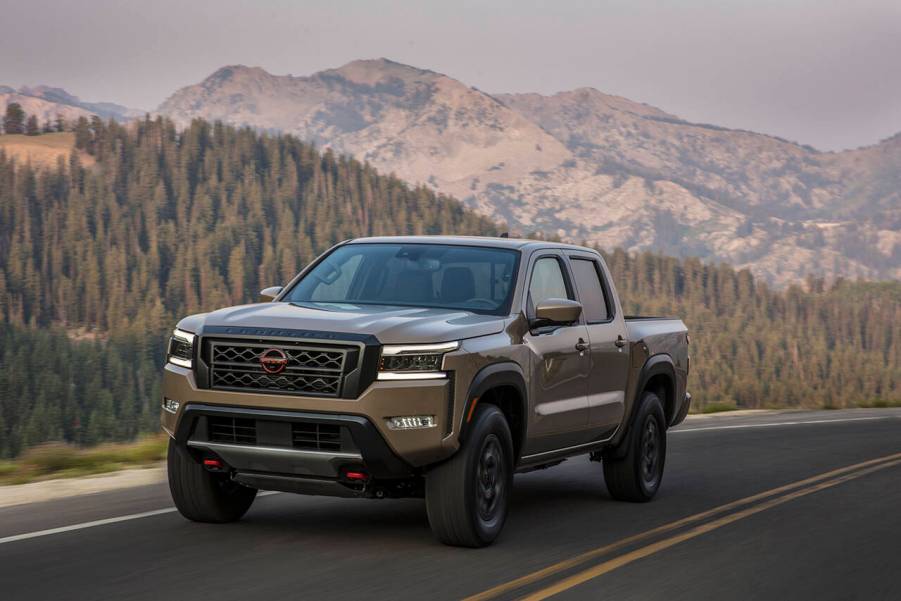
(271, 455)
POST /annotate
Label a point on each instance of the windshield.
(469, 278)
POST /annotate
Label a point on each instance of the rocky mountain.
(589, 166)
(46, 102)
(421, 125)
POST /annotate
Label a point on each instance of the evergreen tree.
(14, 122)
(83, 137)
(31, 126)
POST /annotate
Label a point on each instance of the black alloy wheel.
(650, 452)
(491, 489)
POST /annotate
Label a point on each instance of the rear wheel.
(467, 496)
(204, 496)
(636, 475)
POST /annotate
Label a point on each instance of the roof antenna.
(505, 235)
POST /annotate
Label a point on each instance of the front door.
(559, 370)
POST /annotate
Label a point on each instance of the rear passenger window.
(591, 292)
(547, 281)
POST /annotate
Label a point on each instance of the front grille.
(232, 430)
(317, 437)
(309, 370)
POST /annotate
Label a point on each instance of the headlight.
(181, 348)
(415, 361)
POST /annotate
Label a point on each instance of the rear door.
(559, 370)
(609, 355)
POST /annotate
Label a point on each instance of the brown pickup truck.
(432, 367)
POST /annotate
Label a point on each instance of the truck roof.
(512, 243)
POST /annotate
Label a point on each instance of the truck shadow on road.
(566, 497)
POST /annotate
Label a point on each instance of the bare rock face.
(588, 166)
(423, 126)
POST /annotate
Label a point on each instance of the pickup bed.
(432, 367)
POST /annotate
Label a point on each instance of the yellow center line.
(618, 562)
(594, 553)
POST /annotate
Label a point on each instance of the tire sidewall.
(202, 496)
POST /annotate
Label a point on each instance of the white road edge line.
(793, 423)
(82, 526)
(103, 522)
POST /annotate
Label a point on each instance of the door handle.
(620, 341)
(581, 345)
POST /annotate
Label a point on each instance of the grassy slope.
(43, 150)
(59, 460)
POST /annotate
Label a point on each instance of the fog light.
(412, 422)
(170, 405)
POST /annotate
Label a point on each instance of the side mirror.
(267, 295)
(557, 311)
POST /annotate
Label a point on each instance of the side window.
(591, 291)
(547, 281)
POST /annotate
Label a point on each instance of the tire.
(636, 475)
(204, 496)
(467, 496)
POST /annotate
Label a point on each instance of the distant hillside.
(46, 103)
(168, 223)
(589, 166)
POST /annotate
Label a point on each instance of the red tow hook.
(214, 465)
(356, 476)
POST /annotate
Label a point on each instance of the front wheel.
(636, 475)
(467, 496)
(204, 496)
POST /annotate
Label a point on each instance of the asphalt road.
(824, 533)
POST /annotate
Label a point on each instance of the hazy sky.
(821, 72)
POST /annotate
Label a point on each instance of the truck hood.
(391, 325)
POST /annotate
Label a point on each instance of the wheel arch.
(658, 374)
(504, 385)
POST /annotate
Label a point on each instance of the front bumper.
(364, 417)
(272, 462)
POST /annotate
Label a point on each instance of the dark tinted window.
(591, 292)
(470, 278)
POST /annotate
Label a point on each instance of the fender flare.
(658, 364)
(506, 373)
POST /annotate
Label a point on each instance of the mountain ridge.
(588, 166)
(46, 102)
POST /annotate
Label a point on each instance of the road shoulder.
(50, 490)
